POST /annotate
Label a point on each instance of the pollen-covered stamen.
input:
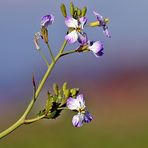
(78, 29)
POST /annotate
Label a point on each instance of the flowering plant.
(63, 98)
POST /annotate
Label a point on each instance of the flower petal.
(99, 17)
(97, 48)
(72, 104)
(72, 37)
(80, 99)
(87, 117)
(47, 20)
(71, 22)
(78, 120)
(82, 38)
(106, 33)
(83, 21)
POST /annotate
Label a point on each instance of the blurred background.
(115, 85)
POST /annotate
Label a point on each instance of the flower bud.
(55, 89)
(79, 12)
(106, 20)
(84, 10)
(63, 10)
(72, 9)
(64, 86)
(44, 33)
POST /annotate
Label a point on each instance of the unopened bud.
(84, 10)
(44, 33)
(79, 12)
(72, 9)
(63, 10)
(55, 89)
(106, 20)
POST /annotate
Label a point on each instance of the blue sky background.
(19, 20)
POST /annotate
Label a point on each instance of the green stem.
(44, 58)
(28, 121)
(49, 49)
(22, 120)
(68, 52)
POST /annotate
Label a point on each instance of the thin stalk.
(28, 121)
(44, 58)
(68, 52)
(49, 49)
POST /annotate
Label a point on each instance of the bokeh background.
(115, 86)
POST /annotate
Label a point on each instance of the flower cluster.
(76, 24)
(77, 34)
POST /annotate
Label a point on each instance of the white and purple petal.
(78, 120)
(82, 38)
(87, 117)
(72, 37)
(71, 22)
(99, 17)
(96, 48)
(80, 99)
(47, 20)
(73, 104)
(83, 21)
(106, 33)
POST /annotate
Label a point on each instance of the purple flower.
(83, 39)
(96, 47)
(47, 20)
(78, 105)
(77, 26)
(102, 23)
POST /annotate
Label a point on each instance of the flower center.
(78, 29)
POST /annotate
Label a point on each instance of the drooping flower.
(78, 105)
(103, 21)
(82, 38)
(96, 47)
(37, 36)
(47, 20)
(77, 26)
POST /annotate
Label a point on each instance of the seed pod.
(63, 10)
